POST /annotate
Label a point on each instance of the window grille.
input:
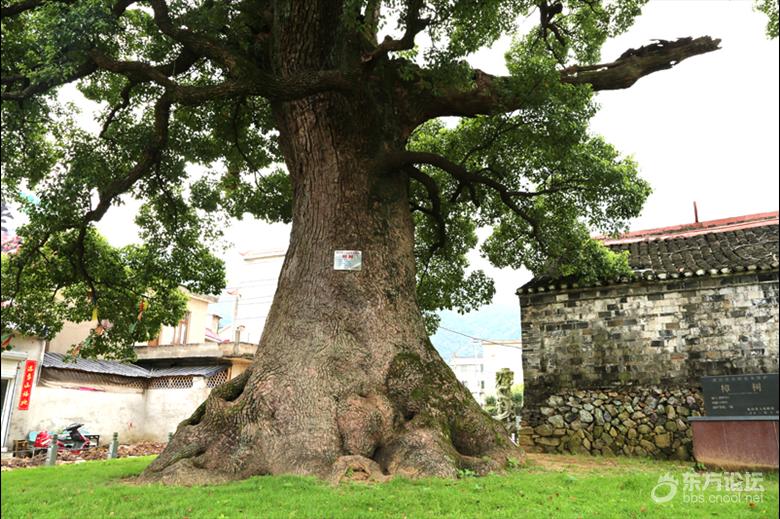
(217, 379)
(171, 383)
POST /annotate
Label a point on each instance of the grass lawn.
(550, 486)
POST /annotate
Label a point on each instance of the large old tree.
(360, 122)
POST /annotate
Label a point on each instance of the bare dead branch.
(493, 94)
(637, 63)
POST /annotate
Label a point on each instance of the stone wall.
(636, 421)
(668, 333)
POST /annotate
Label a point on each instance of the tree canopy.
(194, 83)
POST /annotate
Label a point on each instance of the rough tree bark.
(345, 376)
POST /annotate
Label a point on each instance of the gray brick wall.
(666, 333)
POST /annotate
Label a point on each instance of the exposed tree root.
(357, 468)
(424, 424)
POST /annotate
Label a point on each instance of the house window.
(180, 333)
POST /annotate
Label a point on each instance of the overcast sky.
(706, 130)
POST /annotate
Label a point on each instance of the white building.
(174, 373)
(470, 370)
(253, 284)
(478, 371)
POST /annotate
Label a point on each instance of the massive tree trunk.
(345, 376)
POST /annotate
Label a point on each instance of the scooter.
(72, 439)
(77, 441)
(43, 441)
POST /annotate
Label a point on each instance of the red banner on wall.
(27, 384)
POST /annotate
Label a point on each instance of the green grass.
(97, 490)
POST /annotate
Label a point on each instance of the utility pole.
(236, 329)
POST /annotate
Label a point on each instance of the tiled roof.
(717, 247)
(110, 367)
(202, 371)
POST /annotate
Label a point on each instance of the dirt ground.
(547, 462)
(99, 453)
(586, 463)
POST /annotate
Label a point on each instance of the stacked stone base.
(634, 421)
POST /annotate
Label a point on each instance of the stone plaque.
(741, 395)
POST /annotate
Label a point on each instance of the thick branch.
(30, 90)
(296, 87)
(248, 78)
(414, 25)
(26, 5)
(637, 63)
(493, 94)
(236, 136)
(470, 178)
(136, 71)
(460, 173)
(150, 156)
(245, 78)
(125, 95)
(434, 211)
(198, 43)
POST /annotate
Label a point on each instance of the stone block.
(663, 440)
(544, 430)
(557, 421)
(647, 445)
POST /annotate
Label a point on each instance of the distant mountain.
(494, 321)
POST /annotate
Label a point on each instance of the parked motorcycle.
(43, 441)
(71, 438)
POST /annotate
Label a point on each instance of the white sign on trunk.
(347, 260)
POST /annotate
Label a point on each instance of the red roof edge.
(215, 337)
(693, 229)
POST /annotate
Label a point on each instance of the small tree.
(301, 113)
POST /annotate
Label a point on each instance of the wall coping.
(14, 355)
(644, 282)
(733, 418)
